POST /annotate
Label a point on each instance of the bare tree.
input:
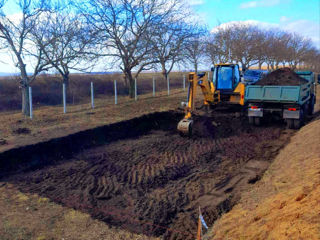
(298, 50)
(194, 49)
(66, 41)
(16, 35)
(124, 26)
(244, 42)
(168, 41)
(218, 46)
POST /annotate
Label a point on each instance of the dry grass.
(50, 122)
(285, 203)
(47, 89)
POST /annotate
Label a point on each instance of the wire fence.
(48, 90)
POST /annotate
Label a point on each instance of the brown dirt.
(282, 76)
(284, 204)
(31, 217)
(21, 131)
(149, 179)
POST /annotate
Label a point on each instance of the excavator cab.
(226, 80)
(226, 77)
(223, 86)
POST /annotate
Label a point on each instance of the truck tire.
(311, 105)
(297, 123)
(290, 124)
(257, 121)
(251, 120)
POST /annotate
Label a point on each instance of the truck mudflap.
(291, 113)
(255, 112)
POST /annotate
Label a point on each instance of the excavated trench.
(141, 175)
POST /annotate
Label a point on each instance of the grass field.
(47, 89)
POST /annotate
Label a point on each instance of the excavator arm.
(195, 80)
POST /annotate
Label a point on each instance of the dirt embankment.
(284, 204)
(151, 180)
(282, 76)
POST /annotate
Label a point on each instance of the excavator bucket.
(185, 127)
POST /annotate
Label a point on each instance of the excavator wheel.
(185, 127)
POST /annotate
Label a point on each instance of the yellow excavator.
(224, 86)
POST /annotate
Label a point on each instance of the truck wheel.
(311, 105)
(251, 120)
(297, 123)
(257, 121)
(290, 123)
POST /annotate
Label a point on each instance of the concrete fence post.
(115, 93)
(209, 76)
(30, 102)
(92, 96)
(135, 89)
(153, 86)
(64, 98)
(184, 82)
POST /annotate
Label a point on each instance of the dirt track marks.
(160, 179)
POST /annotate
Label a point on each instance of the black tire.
(257, 121)
(297, 123)
(311, 105)
(290, 124)
(251, 120)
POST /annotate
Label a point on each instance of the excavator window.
(236, 75)
(225, 76)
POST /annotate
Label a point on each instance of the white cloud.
(305, 28)
(260, 3)
(251, 4)
(195, 2)
(247, 22)
(284, 19)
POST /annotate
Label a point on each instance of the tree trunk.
(243, 67)
(131, 87)
(25, 100)
(260, 65)
(164, 72)
(196, 67)
(130, 80)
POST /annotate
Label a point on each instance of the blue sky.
(301, 16)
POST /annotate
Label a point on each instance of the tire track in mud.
(160, 177)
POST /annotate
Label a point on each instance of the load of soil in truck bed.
(282, 76)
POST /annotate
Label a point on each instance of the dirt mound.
(282, 76)
(151, 180)
(285, 204)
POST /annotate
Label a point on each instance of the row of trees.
(250, 45)
(133, 35)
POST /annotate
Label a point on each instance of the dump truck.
(292, 103)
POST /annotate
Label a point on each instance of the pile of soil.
(282, 76)
(153, 182)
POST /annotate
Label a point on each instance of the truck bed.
(279, 94)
